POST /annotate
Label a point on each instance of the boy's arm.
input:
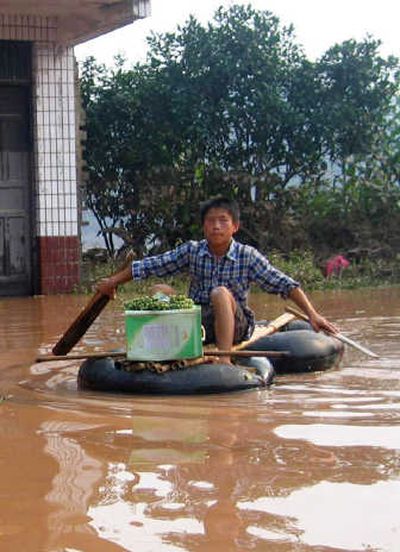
(108, 286)
(167, 263)
(318, 322)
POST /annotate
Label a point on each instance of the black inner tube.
(105, 375)
(308, 352)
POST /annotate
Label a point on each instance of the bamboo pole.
(237, 350)
(122, 354)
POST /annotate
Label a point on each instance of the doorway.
(15, 191)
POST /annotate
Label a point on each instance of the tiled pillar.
(54, 175)
(56, 171)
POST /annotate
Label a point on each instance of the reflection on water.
(336, 513)
(339, 435)
(311, 464)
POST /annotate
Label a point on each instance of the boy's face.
(218, 227)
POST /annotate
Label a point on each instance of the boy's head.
(220, 202)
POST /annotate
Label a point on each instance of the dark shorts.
(207, 320)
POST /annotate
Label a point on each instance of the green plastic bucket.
(163, 335)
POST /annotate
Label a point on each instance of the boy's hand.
(319, 323)
(107, 286)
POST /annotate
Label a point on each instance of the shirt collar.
(230, 254)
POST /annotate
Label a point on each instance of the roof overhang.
(80, 20)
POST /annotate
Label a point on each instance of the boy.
(221, 271)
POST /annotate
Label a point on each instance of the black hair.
(220, 202)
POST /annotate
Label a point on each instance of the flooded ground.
(311, 464)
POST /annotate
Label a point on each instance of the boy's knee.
(221, 293)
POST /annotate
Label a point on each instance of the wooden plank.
(85, 319)
(81, 324)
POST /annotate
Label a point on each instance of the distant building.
(39, 137)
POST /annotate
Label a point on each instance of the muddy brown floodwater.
(311, 464)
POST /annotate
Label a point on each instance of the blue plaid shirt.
(241, 266)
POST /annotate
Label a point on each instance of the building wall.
(55, 187)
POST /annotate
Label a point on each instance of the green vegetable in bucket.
(158, 302)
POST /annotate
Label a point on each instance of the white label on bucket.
(159, 337)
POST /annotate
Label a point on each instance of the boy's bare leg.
(224, 307)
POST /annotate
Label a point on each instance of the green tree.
(232, 107)
(356, 88)
(107, 101)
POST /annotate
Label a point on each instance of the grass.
(366, 273)
(93, 272)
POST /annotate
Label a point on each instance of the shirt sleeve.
(168, 263)
(268, 277)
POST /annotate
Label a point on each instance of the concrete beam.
(79, 20)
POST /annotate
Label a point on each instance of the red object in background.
(335, 265)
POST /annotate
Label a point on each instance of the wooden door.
(15, 192)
